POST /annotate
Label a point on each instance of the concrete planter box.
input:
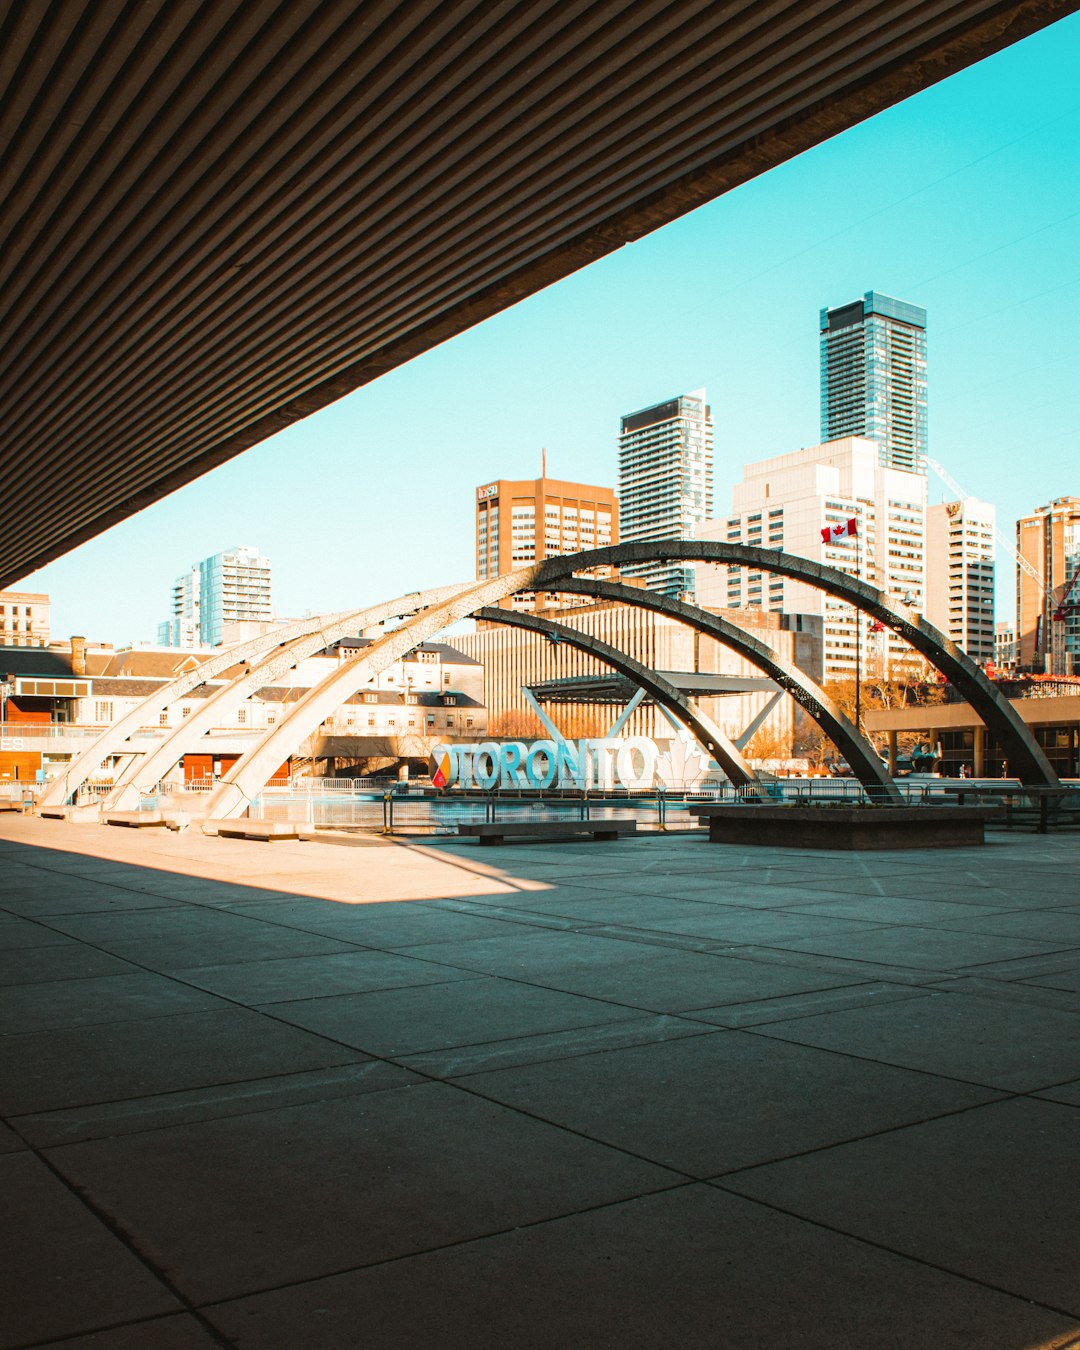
(847, 827)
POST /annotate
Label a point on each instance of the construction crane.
(1067, 606)
(1002, 539)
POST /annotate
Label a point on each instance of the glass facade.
(666, 482)
(873, 377)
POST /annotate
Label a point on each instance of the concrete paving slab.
(593, 906)
(338, 1184)
(179, 1332)
(718, 1102)
(760, 926)
(169, 940)
(1066, 1093)
(389, 926)
(890, 909)
(988, 1193)
(1021, 990)
(542, 1046)
(317, 978)
(1017, 1047)
(10, 1141)
(922, 948)
(49, 1294)
(718, 890)
(76, 895)
(469, 1011)
(176, 923)
(685, 1269)
(135, 1115)
(529, 952)
(17, 934)
(682, 981)
(846, 967)
(74, 961)
(47, 1070)
(812, 1004)
(1059, 979)
(1041, 925)
(105, 998)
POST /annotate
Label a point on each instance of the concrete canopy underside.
(218, 217)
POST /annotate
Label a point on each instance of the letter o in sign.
(486, 765)
(541, 752)
(626, 766)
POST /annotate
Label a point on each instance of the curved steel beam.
(704, 729)
(253, 768)
(1021, 749)
(149, 769)
(88, 761)
(864, 760)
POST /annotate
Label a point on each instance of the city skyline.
(976, 221)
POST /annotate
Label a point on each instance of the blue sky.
(964, 199)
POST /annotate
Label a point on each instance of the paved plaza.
(653, 1093)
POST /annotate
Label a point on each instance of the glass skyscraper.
(666, 483)
(873, 377)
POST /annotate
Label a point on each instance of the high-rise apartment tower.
(960, 574)
(666, 482)
(226, 588)
(873, 377)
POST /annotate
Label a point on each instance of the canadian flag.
(843, 529)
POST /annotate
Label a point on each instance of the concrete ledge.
(847, 827)
(135, 820)
(266, 830)
(495, 831)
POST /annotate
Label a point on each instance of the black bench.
(495, 831)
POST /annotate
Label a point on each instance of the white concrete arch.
(251, 771)
(88, 761)
(145, 772)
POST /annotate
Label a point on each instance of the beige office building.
(24, 619)
(1049, 541)
(784, 503)
(960, 574)
(519, 522)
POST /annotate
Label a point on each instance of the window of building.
(241, 716)
(163, 719)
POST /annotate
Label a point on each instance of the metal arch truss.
(431, 613)
(864, 761)
(1025, 756)
(708, 734)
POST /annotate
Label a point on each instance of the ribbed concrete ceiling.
(218, 217)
